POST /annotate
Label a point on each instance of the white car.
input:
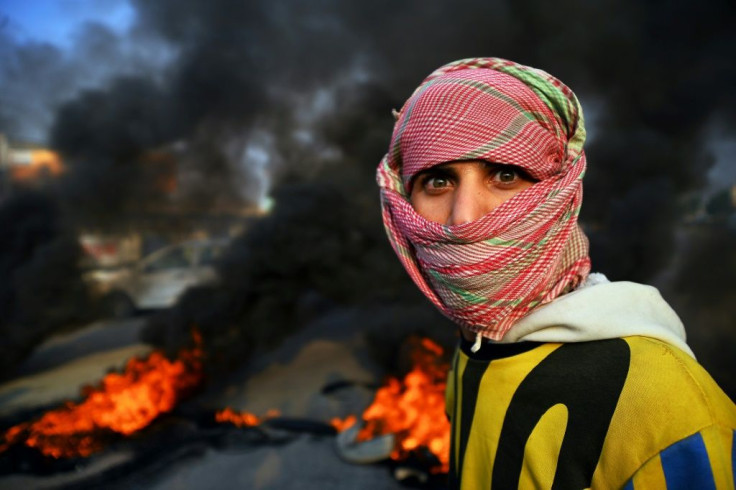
(159, 279)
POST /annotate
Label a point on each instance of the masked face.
(487, 242)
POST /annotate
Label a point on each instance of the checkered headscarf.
(488, 273)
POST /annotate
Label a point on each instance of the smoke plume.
(262, 94)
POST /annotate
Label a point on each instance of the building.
(26, 165)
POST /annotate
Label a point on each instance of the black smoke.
(41, 290)
(103, 135)
(312, 85)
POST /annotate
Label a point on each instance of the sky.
(55, 21)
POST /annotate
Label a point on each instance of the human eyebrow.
(444, 170)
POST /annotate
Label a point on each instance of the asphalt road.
(288, 379)
(97, 337)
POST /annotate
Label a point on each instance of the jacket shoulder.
(661, 374)
(666, 398)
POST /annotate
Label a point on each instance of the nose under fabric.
(471, 197)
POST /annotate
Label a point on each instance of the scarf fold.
(488, 273)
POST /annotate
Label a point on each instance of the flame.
(248, 419)
(243, 419)
(413, 409)
(343, 424)
(123, 403)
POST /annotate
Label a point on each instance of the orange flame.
(413, 409)
(123, 403)
(243, 419)
(247, 419)
(343, 424)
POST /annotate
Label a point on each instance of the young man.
(562, 379)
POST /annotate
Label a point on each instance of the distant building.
(27, 165)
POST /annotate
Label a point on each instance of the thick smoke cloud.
(41, 289)
(36, 78)
(306, 91)
(104, 134)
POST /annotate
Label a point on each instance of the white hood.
(600, 309)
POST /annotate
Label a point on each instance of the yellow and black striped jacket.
(630, 413)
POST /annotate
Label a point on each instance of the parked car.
(159, 279)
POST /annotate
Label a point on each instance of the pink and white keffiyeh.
(488, 273)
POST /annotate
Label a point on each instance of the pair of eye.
(439, 178)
